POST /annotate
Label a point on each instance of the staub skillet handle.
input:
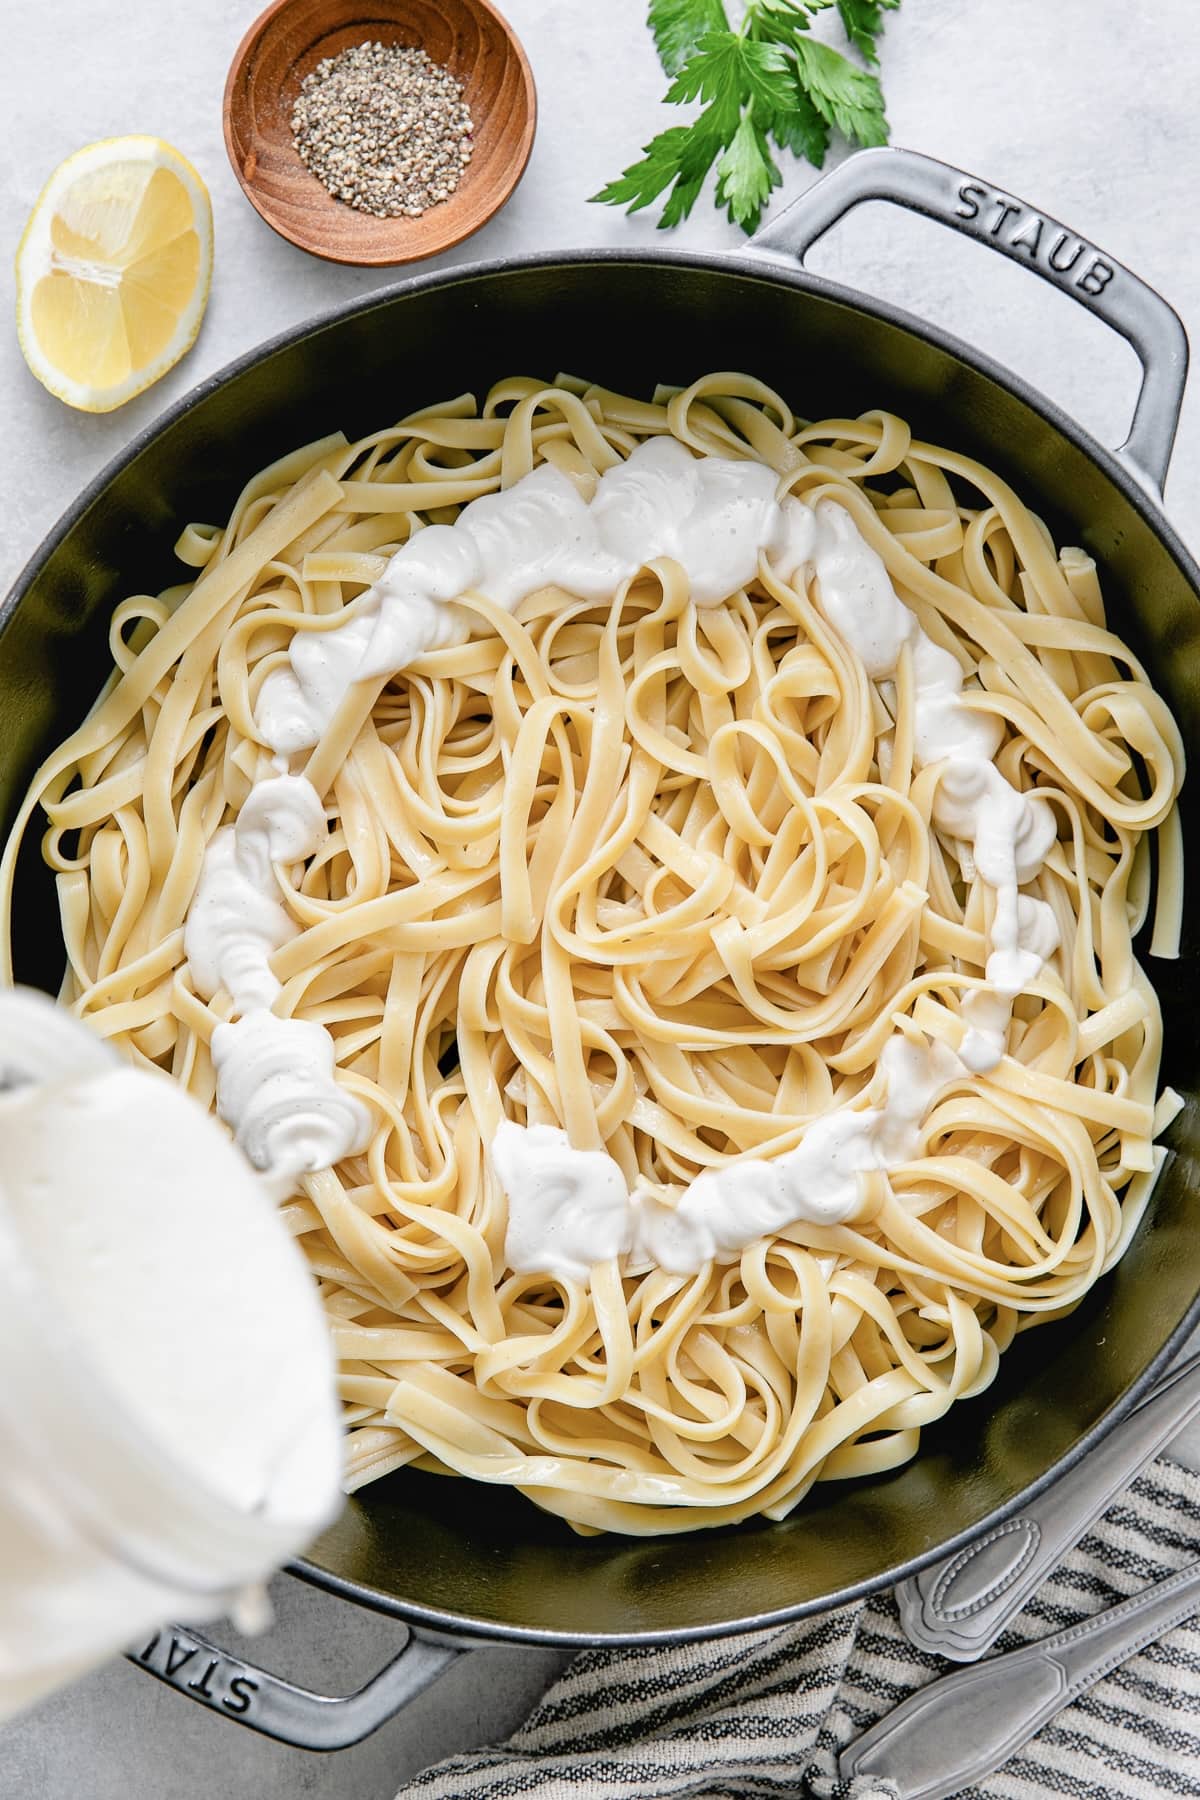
(1036, 241)
(252, 1696)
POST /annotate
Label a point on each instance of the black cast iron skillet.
(460, 1563)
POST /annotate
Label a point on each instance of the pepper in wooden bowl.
(381, 134)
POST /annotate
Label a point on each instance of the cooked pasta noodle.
(665, 877)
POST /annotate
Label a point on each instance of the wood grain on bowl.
(285, 45)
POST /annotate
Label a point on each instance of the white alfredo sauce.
(565, 1204)
(724, 1210)
(569, 1208)
(709, 514)
(275, 1084)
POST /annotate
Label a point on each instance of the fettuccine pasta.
(664, 877)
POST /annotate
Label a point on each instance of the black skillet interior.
(453, 1553)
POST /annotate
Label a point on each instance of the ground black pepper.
(384, 128)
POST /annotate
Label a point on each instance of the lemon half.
(113, 271)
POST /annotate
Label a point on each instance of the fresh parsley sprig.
(765, 83)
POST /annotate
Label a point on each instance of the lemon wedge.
(113, 271)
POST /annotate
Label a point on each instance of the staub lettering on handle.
(220, 1681)
(1072, 258)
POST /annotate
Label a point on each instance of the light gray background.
(1084, 107)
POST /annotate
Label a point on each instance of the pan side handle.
(251, 1696)
(1026, 236)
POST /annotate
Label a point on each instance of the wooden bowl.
(286, 44)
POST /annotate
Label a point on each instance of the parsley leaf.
(766, 81)
(847, 97)
(800, 128)
(730, 70)
(661, 164)
(682, 156)
(712, 131)
(678, 26)
(863, 20)
(793, 11)
(746, 174)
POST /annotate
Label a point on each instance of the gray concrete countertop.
(1076, 106)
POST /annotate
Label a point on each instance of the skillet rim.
(758, 265)
(773, 270)
(466, 1632)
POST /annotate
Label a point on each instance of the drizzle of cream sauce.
(569, 1208)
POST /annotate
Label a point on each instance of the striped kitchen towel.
(766, 1713)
